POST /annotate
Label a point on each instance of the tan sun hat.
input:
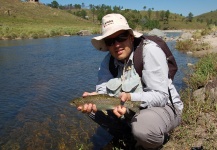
(112, 23)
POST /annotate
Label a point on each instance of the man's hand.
(125, 97)
(89, 94)
(88, 108)
(121, 110)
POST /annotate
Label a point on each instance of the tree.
(93, 10)
(77, 6)
(161, 15)
(190, 17)
(54, 4)
(166, 19)
(144, 7)
(149, 13)
(82, 5)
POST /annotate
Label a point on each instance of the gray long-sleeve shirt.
(154, 76)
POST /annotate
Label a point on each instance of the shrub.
(204, 70)
(23, 36)
(185, 45)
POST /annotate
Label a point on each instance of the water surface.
(38, 78)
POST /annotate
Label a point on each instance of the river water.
(38, 78)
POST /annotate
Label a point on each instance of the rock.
(84, 33)
(199, 95)
(190, 64)
(189, 53)
(213, 94)
(157, 32)
(186, 36)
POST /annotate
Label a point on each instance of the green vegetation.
(189, 45)
(196, 44)
(199, 117)
(204, 71)
(209, 18)
(35, 20)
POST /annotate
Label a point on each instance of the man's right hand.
(88, 108)
(89, 94)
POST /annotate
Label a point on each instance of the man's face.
(120, 44)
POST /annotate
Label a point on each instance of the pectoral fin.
(105, 112)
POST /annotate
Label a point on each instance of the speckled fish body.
(105, 102)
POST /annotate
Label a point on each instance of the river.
(38, 78)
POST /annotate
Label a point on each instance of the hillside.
(18, 18)
(35, 20)
(210, 16)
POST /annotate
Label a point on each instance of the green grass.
(33, 20)
(199, 126)
(205, 70)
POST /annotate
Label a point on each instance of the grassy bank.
(199, 124)
(35, 20)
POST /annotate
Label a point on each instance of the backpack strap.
(169, 56)
(138, 56)
(112, 68)
(171, 101)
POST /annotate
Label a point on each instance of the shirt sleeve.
(104, 75)
(155, 77)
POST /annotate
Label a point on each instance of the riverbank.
(198, 43)
(199, 118)
(210, 39)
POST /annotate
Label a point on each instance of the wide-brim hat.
(112, 23)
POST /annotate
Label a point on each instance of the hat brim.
(98, 42)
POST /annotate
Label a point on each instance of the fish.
(105, 102)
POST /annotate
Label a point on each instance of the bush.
(23, 36)
(34, 36)
(185, 45)
(204, 70)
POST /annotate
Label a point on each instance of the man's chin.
(120, 58)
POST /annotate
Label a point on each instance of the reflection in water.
(38, 78)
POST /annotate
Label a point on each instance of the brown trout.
(105, 102)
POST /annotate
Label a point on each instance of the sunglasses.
(120, 38)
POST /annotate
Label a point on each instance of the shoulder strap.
(169, 56)
(138, 56)
(112, 68)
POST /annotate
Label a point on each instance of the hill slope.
(210, 16)
(18, 19)
(35, 20)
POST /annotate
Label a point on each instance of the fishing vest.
(127, 81)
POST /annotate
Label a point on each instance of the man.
(150, 127)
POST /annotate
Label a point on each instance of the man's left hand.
(121, 110)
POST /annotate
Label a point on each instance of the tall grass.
(204, 70)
